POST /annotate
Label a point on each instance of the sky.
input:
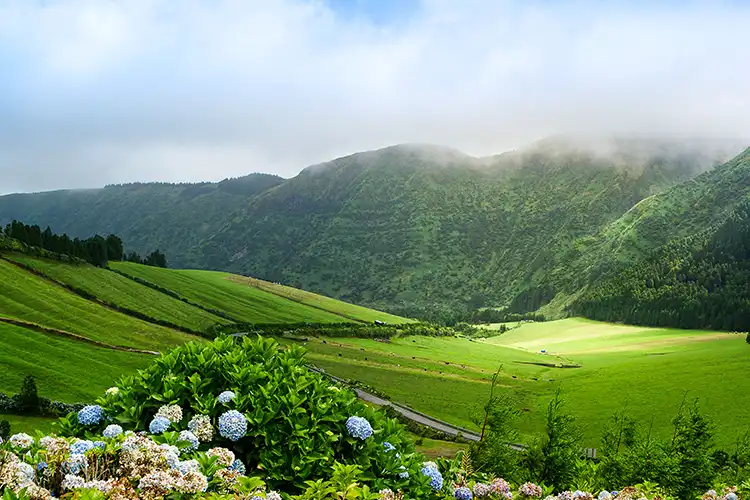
(94, 92)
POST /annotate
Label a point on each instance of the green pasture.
(350, 311)
(116, 289)
(216, 290)
(648, 371)
(27, 297)
(65, 369)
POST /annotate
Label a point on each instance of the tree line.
(96, 250)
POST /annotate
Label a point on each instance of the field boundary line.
(175, 295)
(93, 298)
(298, 301)
(73, 336)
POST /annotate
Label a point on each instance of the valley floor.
(600, 367)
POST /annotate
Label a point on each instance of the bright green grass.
(29, 425)
(217, 291)
(65, 370)
(650, 374)
(119, 290)
(351, 311)
(30, 298)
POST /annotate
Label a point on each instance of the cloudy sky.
(107, 91)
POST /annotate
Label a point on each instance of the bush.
(296, 421)
(28, 398)
(4, 429)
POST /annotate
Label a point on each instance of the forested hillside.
(424, 230)
(700, 277)
(174, 218)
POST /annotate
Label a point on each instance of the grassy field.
(30, 298)
(116, 289)
(648, 369)
(66, 370)
(217, 291)
(351, 311)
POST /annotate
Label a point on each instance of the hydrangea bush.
(260, 402)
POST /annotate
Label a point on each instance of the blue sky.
(96, 92)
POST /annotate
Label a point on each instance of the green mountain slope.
(696, 238)
(170, 217)
(408, 228)
(418, 230)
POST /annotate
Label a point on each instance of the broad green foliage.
(296, 420)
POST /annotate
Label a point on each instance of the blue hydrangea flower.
(26, 472)
(226, 396)
(404, 474)
(191, 438)
(41, 466)
(238, 466)
(358, 427)
(232, 425)
(76, 463)
(90, 415)
(173, 460)
(100, 444)
(463, 493)
(436, 479)
(730, 496)
(112, 431)
(388, 446)
(80, 447)
(159, 425)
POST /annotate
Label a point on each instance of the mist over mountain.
(417, 228)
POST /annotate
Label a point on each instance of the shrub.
(4, 429)
(28, 398)
(284, 419)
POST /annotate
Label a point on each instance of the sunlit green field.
(217, 291)
(648, 369)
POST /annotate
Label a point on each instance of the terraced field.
(116, 289)
(30, 298)
(600, 367)
(217, 290)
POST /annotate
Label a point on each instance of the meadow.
(27, 297)
(608, 367)
(216, 290)
(116, 289)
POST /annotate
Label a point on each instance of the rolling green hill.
(26, 297)
(423, 230)
(123, 292)
(226, 292)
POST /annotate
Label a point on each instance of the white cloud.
(106, 91)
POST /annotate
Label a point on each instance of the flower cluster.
(159, 424)
(225, 457)
(500, 487)
(173, 413)
(190, 438)
(21, 440)
(232, 425)
(90, 415)
(530, 490)
(112, 431)
(463, 493)
(430, 470)
(200, 425)
(482, 490)
(358, 427)
(226, 396)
